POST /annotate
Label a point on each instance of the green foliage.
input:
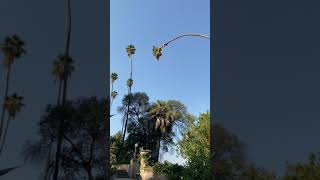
(251, 172)
(172, 171)
(195, 147)
(83, 149)
(304, 171)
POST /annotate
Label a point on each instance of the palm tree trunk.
(59, 92)
(60, 134)
(4, 99)
(90, 177)
(128, 107)
(158, 149)
(5, 135)
(48, 160)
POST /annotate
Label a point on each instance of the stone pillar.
(146, 172)
(134, 168)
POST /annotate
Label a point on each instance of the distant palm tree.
(13, 105)
(12, 48)
(114, 77)
(166, 115)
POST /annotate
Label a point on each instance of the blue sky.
(183, 72)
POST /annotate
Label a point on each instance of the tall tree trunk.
(5, 134)
(158, 149)
(128, 108)
(4, 99)
(64, 95)
(48, 160)
(61, 133)
(89, 172)
(59, 92)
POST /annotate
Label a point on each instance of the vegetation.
(83, 154)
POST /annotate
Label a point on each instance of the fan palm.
(13, 105)
(12, 48)
(114, 77)
(62, 69)
(165, 115)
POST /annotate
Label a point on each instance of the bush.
(172, 171)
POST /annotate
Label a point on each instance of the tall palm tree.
(12, 48)
(166, 116)
(13, 105)
(67, 66)
(130, 52)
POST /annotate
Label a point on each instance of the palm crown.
(63, 67)
(166, 114)
(13, 47)
(13, 104)
(130, 50)
(114, 77)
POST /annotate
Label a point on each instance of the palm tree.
(114, 77)
(157, 51)
(67, 60)
(12, 48)
(13, 105)
(130, 52)
(62, 69)
(166, 116)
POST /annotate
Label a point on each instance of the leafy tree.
(167, 118)
(251, 172)
(82, 153)
(167, 169)
(304, 171)
(195, 147)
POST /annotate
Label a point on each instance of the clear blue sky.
(183, 72)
